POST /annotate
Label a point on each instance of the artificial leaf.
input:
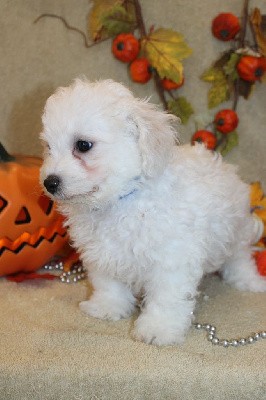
(256, 21)
(95, 23)
(165, 48)
(258, 202)
(181, 108)
(118, 20)
(230, 67)
(213, 74)
(225, 57)
(256, 194)
(218, 93)
(231, 142)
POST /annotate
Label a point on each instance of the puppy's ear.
(155, 134)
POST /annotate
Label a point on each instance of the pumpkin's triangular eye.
(3, 203)
(46, 204)
(23, 217)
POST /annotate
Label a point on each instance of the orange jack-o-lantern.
(31, 231)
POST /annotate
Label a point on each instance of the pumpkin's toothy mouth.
(33, 240)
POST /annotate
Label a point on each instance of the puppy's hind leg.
(111, 299)
(241, 272)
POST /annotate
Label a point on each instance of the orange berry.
(168, 84)
(206, 137)
(260, 258)
(225, 26)
(140, 70)
(251, 68)
(226, 121)
(125, 47)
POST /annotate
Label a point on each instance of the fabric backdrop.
(36, 58)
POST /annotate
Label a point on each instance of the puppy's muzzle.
(52, 183)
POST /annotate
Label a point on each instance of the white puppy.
(146, 215)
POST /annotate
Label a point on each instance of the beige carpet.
(49, 350)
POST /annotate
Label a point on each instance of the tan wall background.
(36, 58)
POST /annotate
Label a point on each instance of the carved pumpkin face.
(31, 230)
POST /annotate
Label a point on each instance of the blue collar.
(137, 178)
(128, 194)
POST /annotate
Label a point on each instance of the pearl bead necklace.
(78, 273)
(211, 337)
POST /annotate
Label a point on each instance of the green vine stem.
(243, 31)
(71, 28)
(140, 21)
(241, 44)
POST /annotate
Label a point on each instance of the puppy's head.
(99, 140)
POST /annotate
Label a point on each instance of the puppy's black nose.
(52, 183)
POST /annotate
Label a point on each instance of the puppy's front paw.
(158, 331)
(104, 309)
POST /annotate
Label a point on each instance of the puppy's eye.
(83, 146)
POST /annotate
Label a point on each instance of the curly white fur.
(145, 214)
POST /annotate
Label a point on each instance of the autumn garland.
(234, 74)
(158, 54)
